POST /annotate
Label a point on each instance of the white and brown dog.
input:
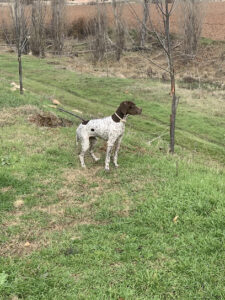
(109, 128)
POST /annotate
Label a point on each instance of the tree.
(38, 34)
(119, 28)
(21, 34)
(165, 9)
(192, 17)
(58, 25)
(144, 22)
(166, 13)
(99, 44)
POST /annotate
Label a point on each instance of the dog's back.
(103, 128)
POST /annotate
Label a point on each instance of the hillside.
(151, 229)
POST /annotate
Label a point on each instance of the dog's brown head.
(129, 108)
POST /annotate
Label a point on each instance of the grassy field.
(152, 229)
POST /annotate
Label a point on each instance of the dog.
(110, 128)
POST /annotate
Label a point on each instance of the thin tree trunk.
(172, 123)
(120, 39)
(20, 72)
(144, 23)
(172, 78)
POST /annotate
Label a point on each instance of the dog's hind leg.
(77, 140)
(85, 144)
(93, 141)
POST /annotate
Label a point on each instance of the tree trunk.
(172, 123)
(20, 72)
(172, 77)
(144, 23)
(120, 33)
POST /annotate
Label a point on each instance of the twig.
(158, 137)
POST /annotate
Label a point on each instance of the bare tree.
(99, 43)
(119, 28)
(144, 22)
(166, 44)
(165, 9)
(58, 25)
(191, 20)
(38, 32)
(20, 28)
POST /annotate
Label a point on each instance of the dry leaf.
(18, 203)
(175, 219)
(56, 102)
(76, 110)
(14, 298)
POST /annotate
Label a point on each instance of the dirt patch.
(47, 119)
(90, 175)
(8, 116)
(6, 189)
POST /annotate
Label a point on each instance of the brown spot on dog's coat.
(85, 122)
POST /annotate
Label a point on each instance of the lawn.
(152, 229)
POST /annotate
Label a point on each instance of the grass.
(152, 229)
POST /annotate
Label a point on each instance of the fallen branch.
(158, 137)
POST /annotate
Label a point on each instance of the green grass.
(87, 234)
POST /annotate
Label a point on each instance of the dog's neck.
(118, 116)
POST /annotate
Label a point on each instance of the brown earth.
(47, 119)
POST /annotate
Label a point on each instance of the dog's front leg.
(118, 142)
(110, 145)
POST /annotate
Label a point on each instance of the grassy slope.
(91, 235)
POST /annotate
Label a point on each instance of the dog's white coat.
(106, 129)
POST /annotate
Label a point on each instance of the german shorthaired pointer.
(109, 128)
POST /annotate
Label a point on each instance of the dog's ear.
(124, 107)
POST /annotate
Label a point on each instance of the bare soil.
(47, 119)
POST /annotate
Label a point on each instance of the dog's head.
(129, 108)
